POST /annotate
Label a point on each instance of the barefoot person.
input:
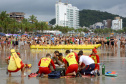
(12, 67)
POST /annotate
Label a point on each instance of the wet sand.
(113, 60)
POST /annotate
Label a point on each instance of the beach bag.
(54, 75)
(62, 71)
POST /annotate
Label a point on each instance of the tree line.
(10, 25)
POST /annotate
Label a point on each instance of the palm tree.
(43, 26)
(14, 26)
(3, 16)
(33, 18)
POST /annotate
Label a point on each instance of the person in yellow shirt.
(73, 65)
(44, 65)
(16, 69)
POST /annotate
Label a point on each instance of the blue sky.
(45, 9)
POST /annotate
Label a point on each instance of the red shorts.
(97, 66)
(72, 68)
(22, 65)
(44, 70)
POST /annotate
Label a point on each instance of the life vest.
(71, 58)
(16, 58)
(12, 64)
(94, 58)
(45, 62)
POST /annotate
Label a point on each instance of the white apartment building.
(67, 15)
(117, 24)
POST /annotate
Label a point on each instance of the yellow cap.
(12, 50)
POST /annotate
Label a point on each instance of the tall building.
(17, 15)
(117, 23)
(67, 15)
(109, 23)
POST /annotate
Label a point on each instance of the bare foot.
(74, 73)
(23, 75)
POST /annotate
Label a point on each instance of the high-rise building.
(67, 15)
(109, 23)
(117, 23)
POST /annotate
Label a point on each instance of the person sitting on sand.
(96, 59)
(61, 58)
(55, 59)
(44, 65)
(15, 69)
(71, 60)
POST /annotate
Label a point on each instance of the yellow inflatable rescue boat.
(65, 46)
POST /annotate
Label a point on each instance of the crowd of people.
(19, 42)
(74, 64)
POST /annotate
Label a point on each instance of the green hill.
(89, 17)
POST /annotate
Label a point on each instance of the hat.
(94, 50)
(18, 53)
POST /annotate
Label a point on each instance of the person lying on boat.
(12, 67)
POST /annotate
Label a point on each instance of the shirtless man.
(102, 42)
(97, 40)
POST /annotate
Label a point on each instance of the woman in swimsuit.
(123, 43)
(112, 42)
(105, 42)
(115, 41)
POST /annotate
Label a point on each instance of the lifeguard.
(96, 59)
(44, 64)
(72, 61)
(12, 65)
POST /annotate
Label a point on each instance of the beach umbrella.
(2, 34)
(7, 34)
(24, 35)
(15, 34)
(38, 35)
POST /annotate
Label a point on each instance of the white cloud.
(118, 9)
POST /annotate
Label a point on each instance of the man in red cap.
(96, 59)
